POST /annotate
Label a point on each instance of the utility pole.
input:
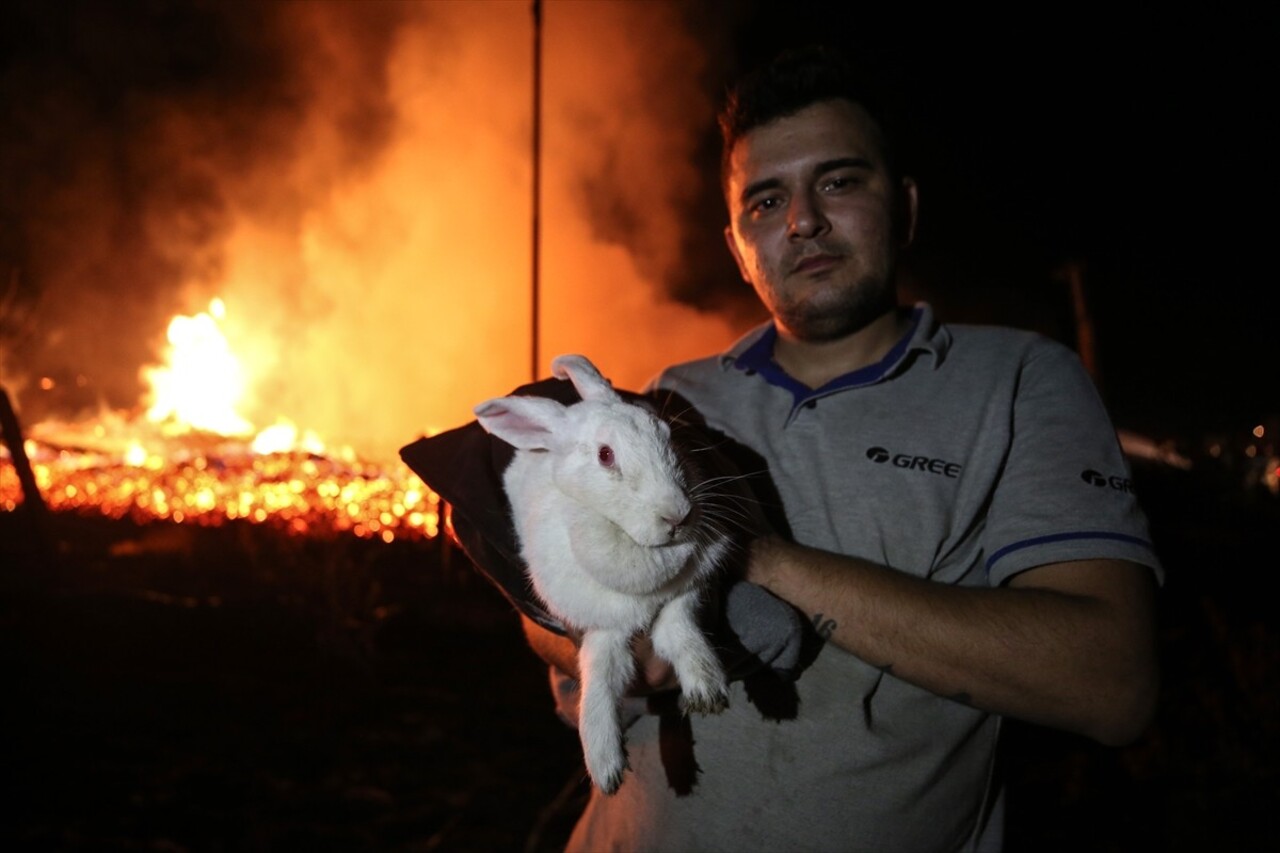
(535, 321)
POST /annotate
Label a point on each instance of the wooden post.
(32, 501)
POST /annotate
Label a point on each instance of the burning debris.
(210, 483)
(193, 459)
(354, 181)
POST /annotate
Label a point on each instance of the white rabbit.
(612, 545)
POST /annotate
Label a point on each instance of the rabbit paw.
(606, 771)
(704, 699)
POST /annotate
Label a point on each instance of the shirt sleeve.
(1066, 492)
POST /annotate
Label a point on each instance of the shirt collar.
(753, 353)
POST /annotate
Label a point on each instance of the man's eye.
(765, 205)
(839, 183)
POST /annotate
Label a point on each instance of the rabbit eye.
(605, 455)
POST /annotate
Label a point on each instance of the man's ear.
(733, 250)
(909, 201)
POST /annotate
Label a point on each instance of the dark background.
(1136, 142)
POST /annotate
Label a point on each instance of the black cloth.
(464, 466)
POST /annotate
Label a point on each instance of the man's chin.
(829, 314)
(817, 332)
(818, 327)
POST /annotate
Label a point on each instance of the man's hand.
(653, 674)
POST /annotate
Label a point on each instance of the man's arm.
(1067, 645)
(556, 649)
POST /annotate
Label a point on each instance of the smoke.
(353, 180)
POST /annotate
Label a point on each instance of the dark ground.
(232, 689)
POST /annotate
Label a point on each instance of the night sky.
(1136, 146)
(1140, 146)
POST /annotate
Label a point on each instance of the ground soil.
(235, 689)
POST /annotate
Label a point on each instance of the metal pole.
(535, 358)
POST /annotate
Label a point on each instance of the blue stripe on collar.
(758, 358)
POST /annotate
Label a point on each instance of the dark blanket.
(464, 467)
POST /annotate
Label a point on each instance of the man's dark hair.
(795, 79)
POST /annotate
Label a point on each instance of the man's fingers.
(653, 674)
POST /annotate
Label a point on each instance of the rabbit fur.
(611, 544)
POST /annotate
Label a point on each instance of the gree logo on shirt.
(942, 467)
(1094, 478)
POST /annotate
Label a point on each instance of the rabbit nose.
(676, 520)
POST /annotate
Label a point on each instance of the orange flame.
(203, 382)
(197, 461)
(371, 237)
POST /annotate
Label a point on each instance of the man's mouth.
(815, 263)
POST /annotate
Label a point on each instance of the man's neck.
(815, 363)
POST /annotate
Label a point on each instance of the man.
(961, 528)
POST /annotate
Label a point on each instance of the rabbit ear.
(585, 377)
(527, 423)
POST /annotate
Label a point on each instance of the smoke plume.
(353, 180)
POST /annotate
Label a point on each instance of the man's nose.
(805, 218)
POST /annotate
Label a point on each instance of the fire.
(364, 208)
(283, 436)
(203, 381)
(298, 493)
(194, 459)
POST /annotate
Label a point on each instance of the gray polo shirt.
(968, 454)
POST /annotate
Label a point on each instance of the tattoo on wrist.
(825, 627)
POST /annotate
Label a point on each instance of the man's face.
(816, 220)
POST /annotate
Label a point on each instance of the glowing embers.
(297, 492)
(195, 460)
